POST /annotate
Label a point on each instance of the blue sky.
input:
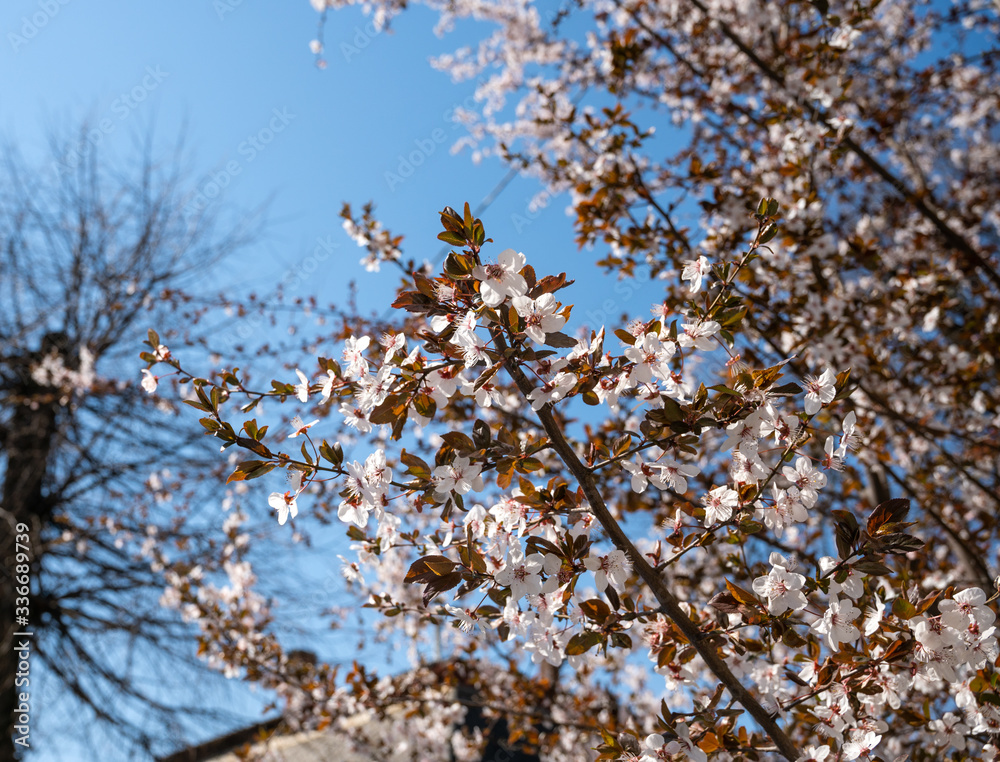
(227, 73)
(262, 123)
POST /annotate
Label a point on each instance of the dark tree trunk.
(27, 442)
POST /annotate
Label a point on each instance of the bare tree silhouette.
(92, 252)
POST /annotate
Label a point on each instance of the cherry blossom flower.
(355, 417)
(351, 571)
(806, 479)
(539, 315)
(838, 623)
(675, 475)
(719, 504)
(520, 574)
(284, 503)
(475, 521)
(354, 356)
(949, 731)
(326, 390)
(302, 388)
(782, 426)
(502, 279)
(849, 441)
(357, 481)
(745, 434)
(460, 476)
(694, 271)
(873, 618)
(552, 391)
(547, 644)
(641, 472)
(820, 391)
(353, 510)
(861, 744)
(393, 344)
(747, 469)
(814, 754)
(519, 622)
(472, 346)
(548, 603)
(468, 619)
(376, 471)
(843, 37)
(465, 326)
(374, 389)
(444, 292)
(584, 348)
(831, 461)
(684, 745)
(651, 747)
(608, 389)
(441, 323)
(852, 586)
(651, 358)
(149, 381)
(967, 607)
(511, 514)
(298, 427)
(785, 510)
(699, 335)
(782, 588)
(613, 568)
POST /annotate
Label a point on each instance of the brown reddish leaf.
(890, 512)
(744, 596)
(582, 642)
(596, 610)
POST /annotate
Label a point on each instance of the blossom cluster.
(544, 562)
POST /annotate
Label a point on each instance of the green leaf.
(334, 454)
(468, 219)
(454, 239)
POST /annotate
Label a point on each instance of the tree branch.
(668, 601)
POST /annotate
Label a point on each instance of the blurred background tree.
(93, 251)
